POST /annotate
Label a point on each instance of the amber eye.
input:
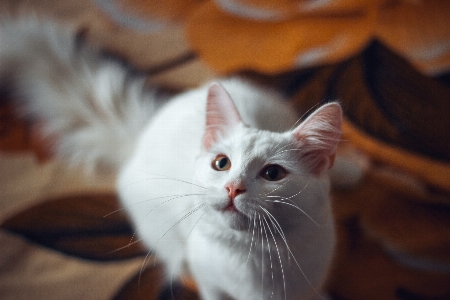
(273, 173)
(221, 163)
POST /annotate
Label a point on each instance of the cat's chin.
(235, 219)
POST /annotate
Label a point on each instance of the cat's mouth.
(235, 218)
(230, 208)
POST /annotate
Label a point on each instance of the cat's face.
(249, 174)
(255, 176)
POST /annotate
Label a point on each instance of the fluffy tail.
(93, 105)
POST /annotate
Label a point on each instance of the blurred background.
(386, 61)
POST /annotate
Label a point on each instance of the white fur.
(92, 105)
(279, 245)
(222, 259)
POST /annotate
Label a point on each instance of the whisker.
(144, 265)
(275, 189)
(279, 229)
(195, 224)
(147, 257)
(181, 212)
(182, 219)
(295, 206)
(270, 256)
(298, 193)
(133, 236)
(145, 201)
(262, 255)
(303, 116)
(299, 120)
(172, 178)
(270, 217)
(177, 197)
(126, 246)
(251, 242)
(279, 256)
(290, 197)
(252, 228)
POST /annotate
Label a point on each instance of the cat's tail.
(93, 105)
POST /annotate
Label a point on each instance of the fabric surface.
(60, 234)
(272, 36)
(63, 238)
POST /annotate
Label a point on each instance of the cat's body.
(233, 197)
(227, 257)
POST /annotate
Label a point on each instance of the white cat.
(218, 181)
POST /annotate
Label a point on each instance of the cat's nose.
(235, 189)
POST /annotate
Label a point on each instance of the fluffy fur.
(257, 225)
(94, 106)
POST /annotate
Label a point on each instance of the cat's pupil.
(222, 163)
(272, 173)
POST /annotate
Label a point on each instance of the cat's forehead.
(250, 143)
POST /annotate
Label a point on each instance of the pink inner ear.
(221, 114)
(319, 136)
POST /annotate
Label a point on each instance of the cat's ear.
(319, 136)
(221, 114)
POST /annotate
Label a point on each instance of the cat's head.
(254, 175)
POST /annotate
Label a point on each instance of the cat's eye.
(273, 173)
(221, 163)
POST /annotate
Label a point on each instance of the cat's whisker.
(257, 236)
(113, 212)
(132, 237)
(299, 120)
(195, 224)
(270, 254)
(296, 207)
(277, 226)
(251, 228)
(171, 199)
(147, 257)
(275, 189)
(197, 207)
(290, 197)
(126, 246)
(145, 201)
(172, 178)
(249, 225)
(262, 255)
(144, 265)
(279, 256)
(299, 192)
(304, 114)
(159, 178)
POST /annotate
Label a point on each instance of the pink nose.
(235, 189)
